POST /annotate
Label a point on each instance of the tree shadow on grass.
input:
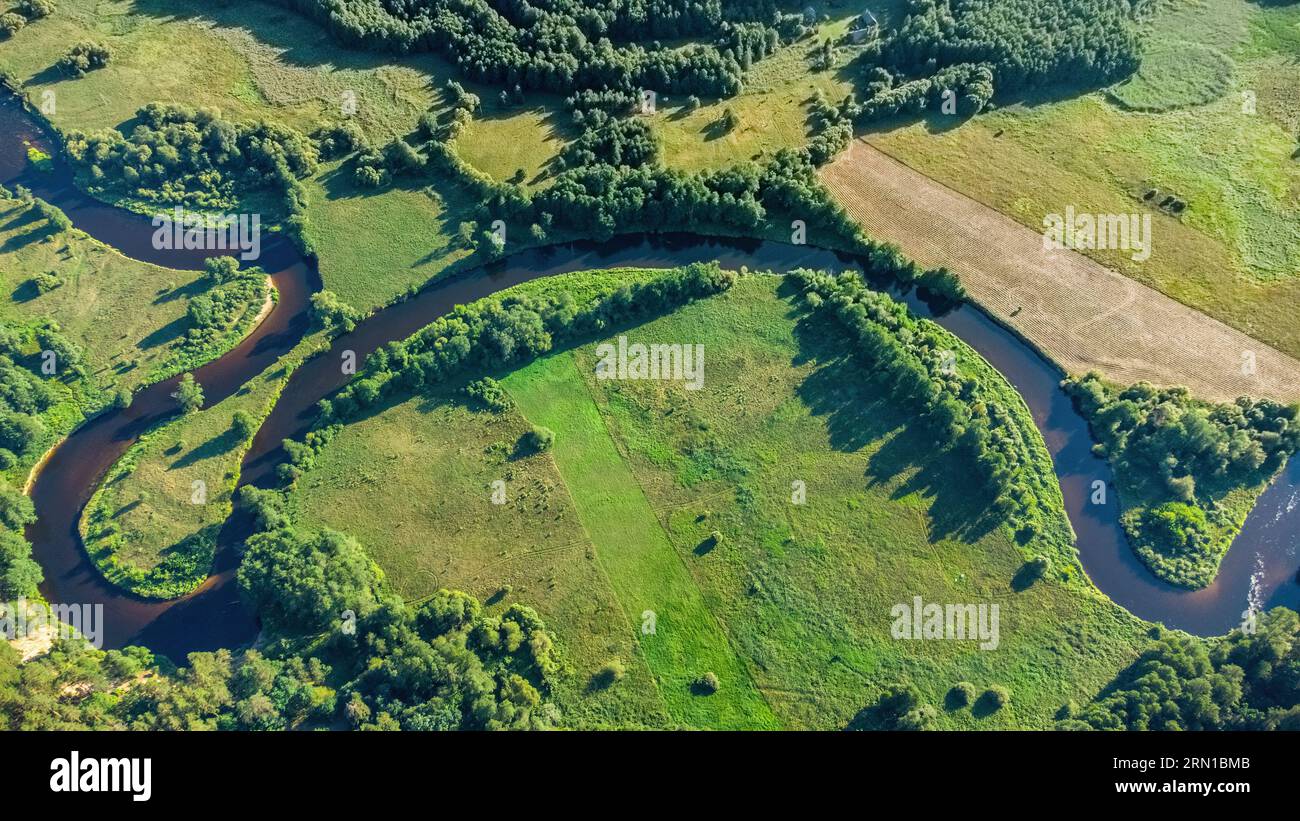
(985, 706)
(26, 291)
(223, 442)
(857, 415)
(168, 333)
(715, 130)
(188, 290)
(25, 216)
(706, 546)
(49, 75)
(959, 508)
(126, 508)
(1025, 577)
(19, 241)
(296, 39)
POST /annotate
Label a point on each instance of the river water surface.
(1260, 569)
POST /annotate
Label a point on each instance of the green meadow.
(373, 245)
(681, 638)
(128, 317)
(1211, 118)
(790, 606)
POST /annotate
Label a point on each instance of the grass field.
(373, 245)
(791, 610)
(772, 109)
(252, 60)
(152, 524)
(128, 317)
(503, 142)
(120, 310)
(433, 462)
(1081, 314)
(1185, 62)
(1234, 253)
(804, 589)
(644, 570)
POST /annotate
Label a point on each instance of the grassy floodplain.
(373, 245)
(773, 107)
(127, 316)
(152, 525)
(640, 476)
(433, 461)
(1223, 141)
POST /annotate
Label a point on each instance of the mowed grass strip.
(805, 589)
(414, 484)
(643, 567)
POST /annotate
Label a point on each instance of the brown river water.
(1261, 567)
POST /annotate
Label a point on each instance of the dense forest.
(1247, 680)
(1176, 459)
(978, 49)
(566, 45)
(442, 665)
(195, 157)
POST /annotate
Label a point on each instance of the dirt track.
(1082, 314)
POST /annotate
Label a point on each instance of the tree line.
(563, 45)
(975, 50)
(194, 156)
(220, 314)
(912, 361)
(442, 665)
(1247, 680)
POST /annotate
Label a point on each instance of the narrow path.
(1082, 314)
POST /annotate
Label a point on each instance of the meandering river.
(1260, 569)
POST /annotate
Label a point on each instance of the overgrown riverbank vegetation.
(1189, 472)
(637, 554)
(657, 499)
(444, 665)
(1243, 681)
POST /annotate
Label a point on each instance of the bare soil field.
(1080, 313)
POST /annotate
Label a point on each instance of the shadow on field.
(857, 415)
(168, 333)
(37, 233)
(25, 216)
(296, 39)
(223, 442)
(26, 291)
(188, 290)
